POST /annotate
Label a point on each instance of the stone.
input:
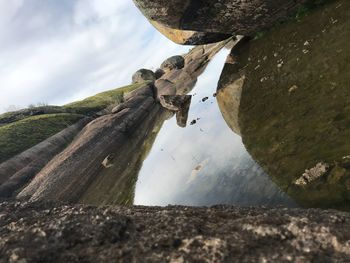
(174, 62)
(178, 103)
(143, 75)
(53, 232)
(219, 16)
(164, 87)
(188, 37)
(159, 73)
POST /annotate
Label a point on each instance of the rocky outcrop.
(226, 16)
(46, 232)
(69, 174)
(143, 75)
(19, 170)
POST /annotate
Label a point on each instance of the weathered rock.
(174, 62)
(224, 16)
(143, 75)
(70, 173)
(286, 132)
(178, 103)
(47, 232)
(175, 102)
(187, 37)
(230, 87)
(159, 73)
(19, 170)
(164, 87)
(145, 90)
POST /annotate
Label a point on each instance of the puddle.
(204, 163)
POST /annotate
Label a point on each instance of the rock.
(143, 75)
(174, 62)
(205, 99)
(51, 232)
(159, 73)
(193, 122)
(68, 176)
(218, 16)
(178, 103)
(164, 87)
(145, 90)
(187, 37)
(174, 102)
(21, 169)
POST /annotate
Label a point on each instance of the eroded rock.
(143, 75)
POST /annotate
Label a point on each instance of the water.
(204, 163)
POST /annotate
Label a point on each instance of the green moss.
(24, 134)
(94, 104)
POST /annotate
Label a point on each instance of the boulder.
(188, 37)
(174, 62)
(159, 73)
(143, 75)
(218, 16)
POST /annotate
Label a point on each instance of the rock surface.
(143, 75)
(47, 232)
(174, 62)
(218, 16)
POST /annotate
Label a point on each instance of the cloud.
(60, 51)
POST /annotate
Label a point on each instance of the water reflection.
(294, 112)
(205, 163)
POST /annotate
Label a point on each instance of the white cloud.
(61, 52)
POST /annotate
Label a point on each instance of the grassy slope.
(21, 130)
(21, 135)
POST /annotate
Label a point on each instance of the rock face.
(187, 37)
(214, 16)
(68, 175)
(46, 232)
(143, 75)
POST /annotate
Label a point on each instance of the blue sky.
(58, 51)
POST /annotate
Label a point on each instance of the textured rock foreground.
(42, 232)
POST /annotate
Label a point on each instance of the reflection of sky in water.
(205, 163)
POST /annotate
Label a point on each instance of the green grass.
(21, 130)
(94, 104)
(24, 134)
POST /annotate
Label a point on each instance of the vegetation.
(91, 105)
(24, 134)
(20, 130)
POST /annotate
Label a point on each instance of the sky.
(59, 51)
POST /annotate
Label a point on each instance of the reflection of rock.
(289, 132)
(178, 103)
(143, 75)
(312, 174)
(187, 37)
(214, 16)
(230, 87)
